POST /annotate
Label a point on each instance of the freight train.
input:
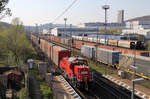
(75, 69)
(130, 44)
(78, 43)
(109, 55)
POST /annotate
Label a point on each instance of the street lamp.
(136, 81)
(65, 19)
(30, 66)
(105, 7)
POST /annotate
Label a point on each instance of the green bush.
(46, 92)
(22, 94)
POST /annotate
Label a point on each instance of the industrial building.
(140, 25)
(101, 25)
(73, 31)
(121, 16)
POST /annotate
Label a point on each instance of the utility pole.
(65, 19)
(37, 30)
(136, 81)
(97, 44)
(105, 7)
(41, 29)
(70, 36)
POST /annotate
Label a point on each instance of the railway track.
(102, 88)
(115, 91)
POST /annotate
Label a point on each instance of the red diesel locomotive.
(74, 69)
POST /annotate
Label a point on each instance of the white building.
(139, 25)
(73, 31)
(46, 31)
(101, 25)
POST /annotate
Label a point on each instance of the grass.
(96, 67)
(46, 92)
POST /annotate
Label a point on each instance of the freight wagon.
(108, 56)
(127, 44)
(88, 51)
(113, 42)
(102, 55)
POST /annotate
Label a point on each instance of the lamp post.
(30, 66)
(96, 43)
(135, 81)
(37, 29)
(105, 7)
(134, 69)
(65, 19)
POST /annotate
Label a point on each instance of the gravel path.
(34, 87)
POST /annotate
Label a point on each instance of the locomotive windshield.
(79, 63)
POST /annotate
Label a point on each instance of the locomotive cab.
(80, 70)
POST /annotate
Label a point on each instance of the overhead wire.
(64, 11)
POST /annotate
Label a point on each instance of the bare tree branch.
(4, 11)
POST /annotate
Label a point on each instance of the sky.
(33, 12)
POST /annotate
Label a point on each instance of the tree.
(17, 43)
(4, 11)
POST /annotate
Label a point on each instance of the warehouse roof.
(143, 18)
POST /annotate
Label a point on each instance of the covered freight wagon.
(108, 56)
(50, 45)
(88, 51)
(142, 63)
(127, 44)
(113, 42)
